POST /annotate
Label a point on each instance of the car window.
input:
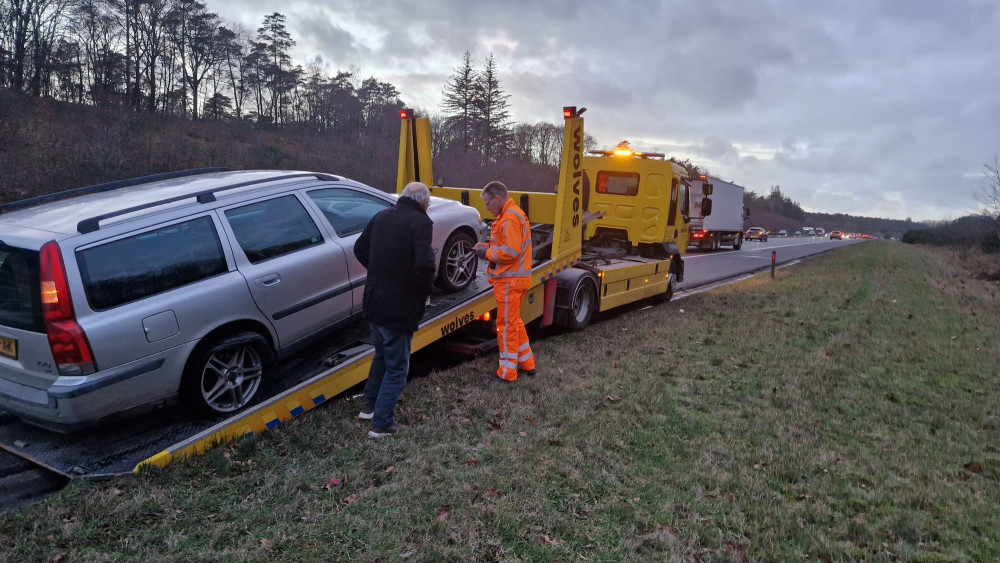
(151, 262)
(348, 211)
(20, 298)
(273, 228)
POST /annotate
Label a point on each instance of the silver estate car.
(119, 297)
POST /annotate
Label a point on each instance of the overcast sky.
(885, 108)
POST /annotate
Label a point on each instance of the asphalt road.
(22, 482)
(705, 267)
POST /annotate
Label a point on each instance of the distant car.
(798, 233)
(755, 233)
(836, 235)
(782, 233)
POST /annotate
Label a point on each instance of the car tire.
(458, 263)
(225, 374)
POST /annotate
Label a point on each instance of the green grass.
(846, 410)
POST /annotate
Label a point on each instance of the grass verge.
(846, 410)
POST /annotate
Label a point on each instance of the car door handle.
(268, 280)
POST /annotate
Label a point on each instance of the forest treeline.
(177, 60)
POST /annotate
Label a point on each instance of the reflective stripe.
(525, 357)
(515, 274)
(506, 316)
(510, 250)
(510, 365)
(525, 346)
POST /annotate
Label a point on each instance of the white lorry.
(725, 223)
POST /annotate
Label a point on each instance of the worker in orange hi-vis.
(509, 257)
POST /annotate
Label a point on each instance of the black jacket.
(396, 249)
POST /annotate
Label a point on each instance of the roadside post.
(773, 255)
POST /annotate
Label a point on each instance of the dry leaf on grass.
(350, 499)
(544, 538)
(390, 469)
(445, 511)
(471, 461)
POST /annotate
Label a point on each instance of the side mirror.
(706, 207)
(746, 212)
(706, 189)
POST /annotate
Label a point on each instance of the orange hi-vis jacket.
(509, 252)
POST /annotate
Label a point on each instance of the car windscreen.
(20, 294)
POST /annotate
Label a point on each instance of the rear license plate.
(8, 347)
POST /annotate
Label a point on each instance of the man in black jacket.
(396, 249)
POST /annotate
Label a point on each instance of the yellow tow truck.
(612, 233)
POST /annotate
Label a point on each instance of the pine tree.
(491, 109)
(458, 104)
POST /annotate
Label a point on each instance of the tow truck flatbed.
(303, 382)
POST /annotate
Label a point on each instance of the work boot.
(367, 411)
(495, 378)
(384, 432)
(529, 372)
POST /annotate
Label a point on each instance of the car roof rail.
(92, 224)
(107, 187)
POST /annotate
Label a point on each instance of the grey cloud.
(842, 101)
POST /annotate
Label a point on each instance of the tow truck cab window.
(685, 202)
(617, 183)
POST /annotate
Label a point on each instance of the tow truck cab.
(638, 199)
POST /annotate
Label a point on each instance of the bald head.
(418, 193)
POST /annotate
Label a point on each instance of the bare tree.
(989, 194)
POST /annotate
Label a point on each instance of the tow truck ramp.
(160, 438)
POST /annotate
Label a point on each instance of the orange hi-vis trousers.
(515, 350)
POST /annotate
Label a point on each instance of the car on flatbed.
(124, 296)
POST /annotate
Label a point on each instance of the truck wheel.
(716, 242)
(582, 303)
(223, 375)
(458, 263)
(667, 295)
(738, 243)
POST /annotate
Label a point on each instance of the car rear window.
(151, 262)
(20, 296)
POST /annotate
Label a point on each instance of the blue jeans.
(387, 376)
